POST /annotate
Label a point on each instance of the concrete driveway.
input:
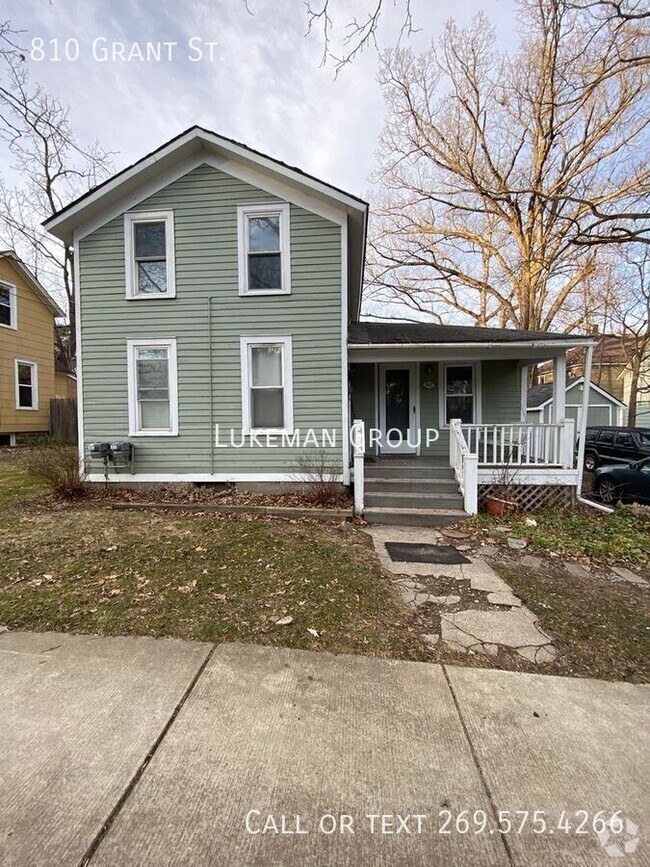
(141, 751)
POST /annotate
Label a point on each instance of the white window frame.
(131, 219)
(246, 345)
(168, 343)
(477, 395)
(13, 305)
(34, 383)
(244, 214)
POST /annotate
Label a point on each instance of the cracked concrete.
(473, 630)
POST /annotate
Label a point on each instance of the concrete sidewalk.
(141, 751)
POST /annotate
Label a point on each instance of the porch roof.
(393, 334)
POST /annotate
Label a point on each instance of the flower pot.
(498, 507)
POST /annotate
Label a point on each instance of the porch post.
(470, 484)
(359, 447)
(559, 388)
(567, 443)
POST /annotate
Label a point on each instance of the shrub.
(321, 477)
(57, 466)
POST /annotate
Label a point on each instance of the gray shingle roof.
(415, 332)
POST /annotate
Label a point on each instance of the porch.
(448, 416)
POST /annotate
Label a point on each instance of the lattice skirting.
(529, 498)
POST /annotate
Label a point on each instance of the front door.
(397, 409)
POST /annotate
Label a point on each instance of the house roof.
(185, 151)
(31, 280)
(422, 333)
(542, 394)
(610, 349)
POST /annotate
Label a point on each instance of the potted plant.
(501, 502)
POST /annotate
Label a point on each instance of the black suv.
(615, 445)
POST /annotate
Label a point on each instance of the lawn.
(600, 628)
(583, 533)
(89, 569)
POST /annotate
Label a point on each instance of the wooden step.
(414, 517)
(411, 500)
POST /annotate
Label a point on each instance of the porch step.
(410, 500)
(416, 486)
(425, 473)
(414, 517)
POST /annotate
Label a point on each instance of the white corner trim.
(264, 209)
(345, 373)
(131, 218)
(13, 304)
(246, 342)
(78, 362)
(34, 383)
(168, 343)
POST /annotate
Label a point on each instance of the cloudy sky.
(264, 85)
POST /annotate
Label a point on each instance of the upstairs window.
(8, 317)
(267, 398)
(263, 245)
(153, 401)
(149, 245)
(26, 384)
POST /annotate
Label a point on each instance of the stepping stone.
(547, 653)
(455, 534)
(489, 583)
(507, 628)
(517, 544)
(444, 600)
(627, 575)
(489, 551)
(531, 562)
(409, 584)
(508, 599)
(576, 570)
(432, 639)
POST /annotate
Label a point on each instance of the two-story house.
(219, 335)
(27, 368)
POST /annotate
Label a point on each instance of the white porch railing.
(511, 446)
(521, 445)
(465, 467)
(358, 443)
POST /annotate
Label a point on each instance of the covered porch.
(422, 398)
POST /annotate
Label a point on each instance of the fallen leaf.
(284, 621)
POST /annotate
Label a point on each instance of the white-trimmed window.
(153, 391)
(8, 306)
(263, 239)
(26, 384)
(459, 393)
(267, 384)
(149, 250)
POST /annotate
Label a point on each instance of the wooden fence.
(63, 419)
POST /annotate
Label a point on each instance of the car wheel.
(607, 492)
(590, 463)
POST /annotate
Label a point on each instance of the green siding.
(501, 397)
(208, 331)
(362, 395)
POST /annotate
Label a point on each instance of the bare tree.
(493, 167)
(626, 303)
(53, 169)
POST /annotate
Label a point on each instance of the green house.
(218, 299)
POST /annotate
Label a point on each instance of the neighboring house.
(65, 383)
(27, 378)
(612, 371)
(219, 287)
(642, 392)
(604, 408)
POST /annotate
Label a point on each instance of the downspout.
(586, 386)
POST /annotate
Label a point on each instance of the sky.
(264, 85)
